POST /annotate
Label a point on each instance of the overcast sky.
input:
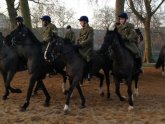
(81, 7)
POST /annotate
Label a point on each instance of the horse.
(8, 67)
(123, 64)
(27, 45)
(57, 64)
(161, 60)
(76, 68)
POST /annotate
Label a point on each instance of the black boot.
(139, 65)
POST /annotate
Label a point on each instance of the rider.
(19, 21)
(128, 34)
(85, 41)
(22, 60)
(49, 30)
(70, 35)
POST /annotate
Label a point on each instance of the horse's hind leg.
(130, 100)
(29, 93)
(106, 72)
(63, 73)
(117, 90)
(81, 96)
(136, 86)
(101, 77)
(163, 72)
(37, 88)
(7, 79)
(47, 101)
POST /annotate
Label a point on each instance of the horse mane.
(32, 36)
(116, 35)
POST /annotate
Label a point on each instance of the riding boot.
(139, 65)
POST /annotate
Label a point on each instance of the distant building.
(4, 22)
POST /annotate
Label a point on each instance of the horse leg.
(47, 101)
(7, 79)
(63, 73)
(117, 90)
(130, 99)
(29, 93)
(136, 87)
(81, 96)
(106, 72)
(37, 88)
(73, 84)
(163, 73)
(101, 77)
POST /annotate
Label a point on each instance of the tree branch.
(141, 18)
(157, 7)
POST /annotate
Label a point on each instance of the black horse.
(76, 67)
(123, 64)
(161, 60)
(8, 67)
(28, 47)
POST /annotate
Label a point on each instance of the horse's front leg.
(117, 90)
(73, 84)
(130, 99)
(29, 93)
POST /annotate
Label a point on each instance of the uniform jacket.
(85, 40)
(48, 32)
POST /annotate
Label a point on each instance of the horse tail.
(159, 62)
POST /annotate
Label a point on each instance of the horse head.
(54, 48)
(20, 34)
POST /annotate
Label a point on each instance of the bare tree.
(12, 12)
(36, 13)
(150, 9)
(25, 11)
(104, 17)
(119, 7)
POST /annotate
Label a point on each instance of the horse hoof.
(46, 104)
(34, 94)
(102, 94)
(82, 106)
(136, 92)
(66, 109)
(130, 108)
(16, 91)
(4, 98)
(123, 98)
(23, 109)
(65, 92)
(108, 96)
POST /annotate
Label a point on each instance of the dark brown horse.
(123, 64)
(76, 67)
(161, 60)
(27, 46)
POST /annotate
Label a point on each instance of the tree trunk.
(147, 42)
(12, 12)
(119, 8)
(26, 13)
